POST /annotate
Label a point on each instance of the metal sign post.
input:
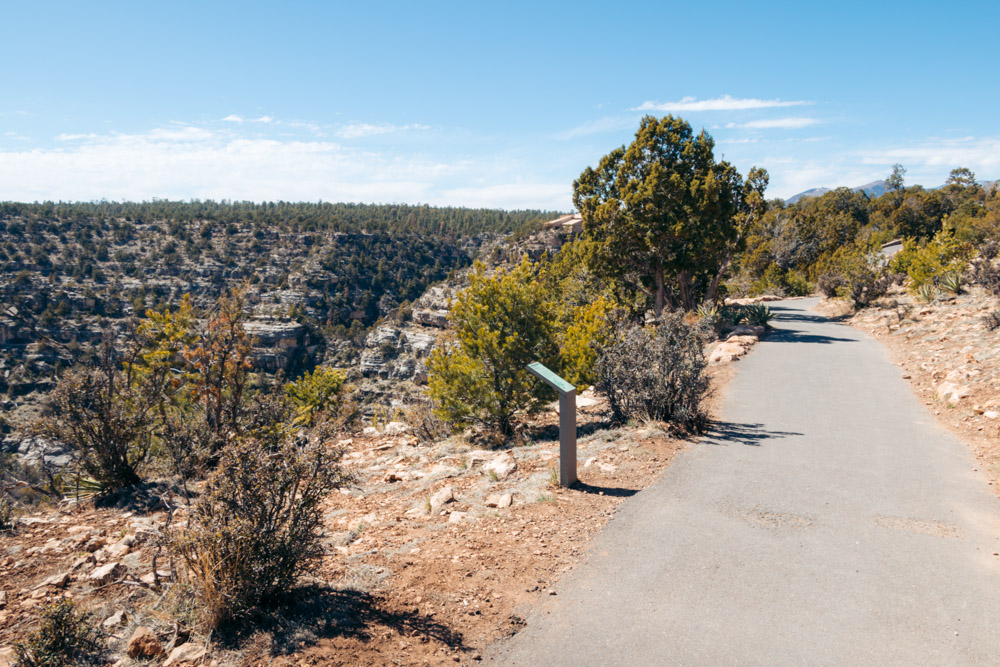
(567, 421)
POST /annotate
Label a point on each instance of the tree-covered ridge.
(284, 216)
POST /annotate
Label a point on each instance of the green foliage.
(663, 216)
(781, 282)
(65, 638)
(256, 528)
(928, 262)
(655, 373)
(501, 323)
(580, 340)
(316, 393)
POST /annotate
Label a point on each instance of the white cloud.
(724, 103)
(188, 161)
(75, 137)
(975, 153)
(358, 130)
(233, 118)
(264, 119)
(777, 123)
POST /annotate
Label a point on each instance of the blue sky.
(479, 104)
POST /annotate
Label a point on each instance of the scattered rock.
(396, 428)
(441, 497)
(506, 500)
(951, 392)
(57, 580)
(107, 573)
(493, 501)
(185, 654)
(114, 620)
(502, 466)
(607, 467)
(457, 517)
(3, 599)
(991, 414)
(143, 644)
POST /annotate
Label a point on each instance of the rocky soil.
(438, 550)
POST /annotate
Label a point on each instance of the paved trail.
(825, 520)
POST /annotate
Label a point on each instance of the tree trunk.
(660, 290)
(713, 288)
(684, 287)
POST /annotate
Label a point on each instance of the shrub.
(580, 340)
(991, 320)
(829, 284)
(501, 324)
(655, 373)
(8, 512)
(927, 263)
(316, 393)
(64, 638)
(255, 529)
(107, 416)
(865, 280)
(984, 271)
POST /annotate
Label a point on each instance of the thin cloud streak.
(776, 123)
(191, 162)
(724, 103)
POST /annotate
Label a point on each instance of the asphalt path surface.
(825, 519)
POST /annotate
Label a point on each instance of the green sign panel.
(550, 378)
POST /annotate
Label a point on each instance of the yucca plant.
(926, 292)
(952, 281)
(757, 315)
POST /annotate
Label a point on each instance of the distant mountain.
(876, 189)
(873, 189)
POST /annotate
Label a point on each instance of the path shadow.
(611, 491)
(783, 314)
(313, 613)
(753, 435)
(782, 335)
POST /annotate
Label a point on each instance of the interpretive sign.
(567, 421)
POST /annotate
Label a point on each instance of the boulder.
(143, 644)
(186, 654)
(506, 500)
(441, 497)
(107, 573)
(502, 466)
(457, 517)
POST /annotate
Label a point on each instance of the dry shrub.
(256, 528)
(655, 373)
(991, 320)
(64, 637)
